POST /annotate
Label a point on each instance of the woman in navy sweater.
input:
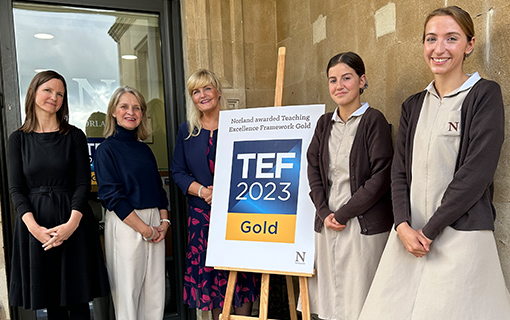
(137, 217)
(193, 171)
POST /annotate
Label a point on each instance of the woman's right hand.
(331, 223)
(39, 232)
(415, 243)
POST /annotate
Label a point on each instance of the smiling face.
(206, 98)
(128, 112)
(49, 97)
(345, 85)
(445, 46)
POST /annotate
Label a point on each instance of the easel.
(264, 288)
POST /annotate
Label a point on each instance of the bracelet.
(165, 220)
(152, 235)
(200, 189)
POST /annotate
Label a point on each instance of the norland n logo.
(300, 257)
(264, 190)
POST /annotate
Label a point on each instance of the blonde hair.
(142, 131)
(199, 79)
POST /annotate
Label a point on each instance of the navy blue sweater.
(127, 175)
(190, 163)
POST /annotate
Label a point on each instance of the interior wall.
(238, 39)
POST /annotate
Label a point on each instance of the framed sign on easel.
(262, 217)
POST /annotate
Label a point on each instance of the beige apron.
(345, 261)
(461, 277)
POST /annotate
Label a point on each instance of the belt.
(48, 190)
(51, 191)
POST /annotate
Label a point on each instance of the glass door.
(97, 51)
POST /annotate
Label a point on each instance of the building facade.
(239, 40)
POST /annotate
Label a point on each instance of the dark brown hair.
(31, 122)
(352, 60)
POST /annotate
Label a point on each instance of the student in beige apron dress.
(349, 162)
(442, 262)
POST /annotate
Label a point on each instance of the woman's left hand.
(207, 194)
(429, 242)
(162, 229)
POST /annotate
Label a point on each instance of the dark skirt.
(71, 273)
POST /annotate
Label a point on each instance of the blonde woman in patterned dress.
(193, 172)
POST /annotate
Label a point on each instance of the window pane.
(96, 51)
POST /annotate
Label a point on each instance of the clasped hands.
(55, 236)
(206, 194)
(159, 232)
(331, 223)
(415, 241)
(52, 237)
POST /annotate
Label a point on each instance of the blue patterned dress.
(205, 287)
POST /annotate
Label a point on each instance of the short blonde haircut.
(142, 131)
(199, 79)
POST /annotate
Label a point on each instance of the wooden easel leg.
(229, 295)
(305, 301)
(264, 296)
(280, 75)
(292, 298)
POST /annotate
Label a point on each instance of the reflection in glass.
(89, 48)
(97, 51)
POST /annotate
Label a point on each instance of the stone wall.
(239, 39)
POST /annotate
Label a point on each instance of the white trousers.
(136, 268)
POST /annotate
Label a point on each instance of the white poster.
(262, 217)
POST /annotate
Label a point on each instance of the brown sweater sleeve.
(482, 138)
(370, 165)
(400, 170)
(315, 156)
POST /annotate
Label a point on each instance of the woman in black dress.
(57, 259)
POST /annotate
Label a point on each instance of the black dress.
(49, 175)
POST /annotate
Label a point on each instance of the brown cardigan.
(467, 202)
(370, 164)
